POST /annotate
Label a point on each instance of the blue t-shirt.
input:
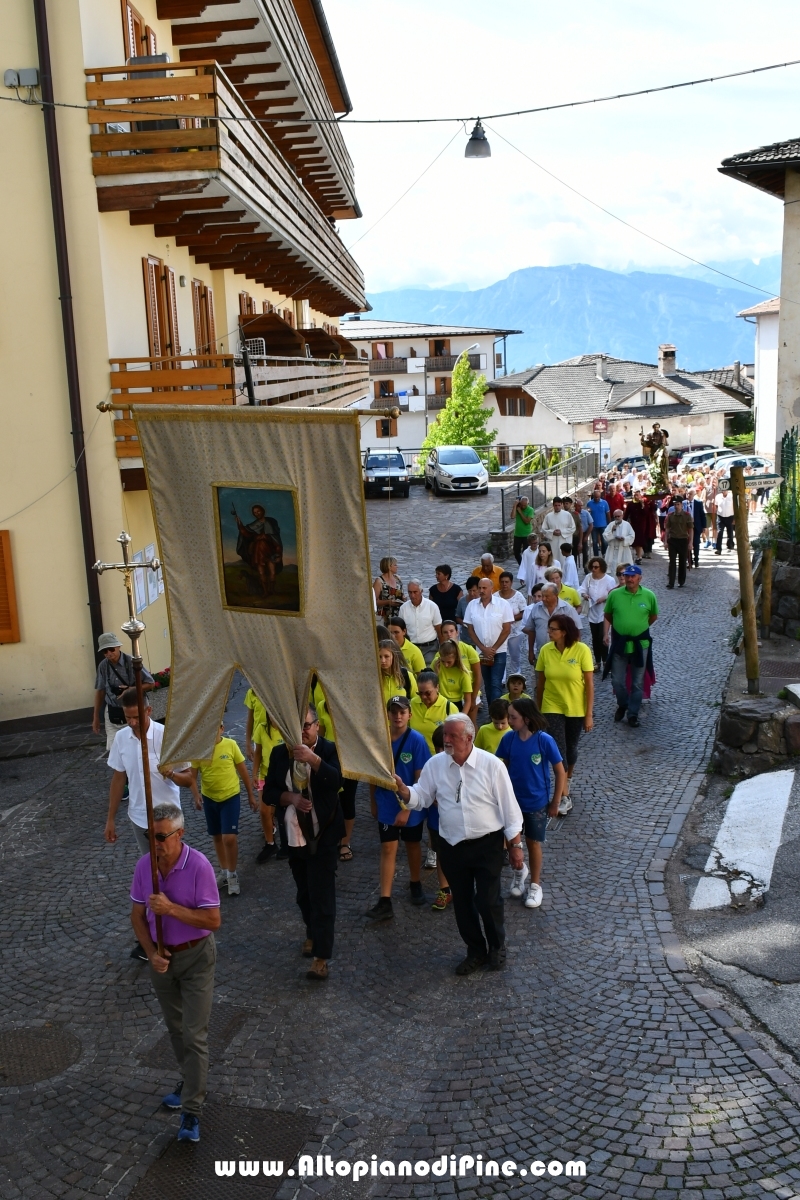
(412, 758)
(528, 765)
(600, 512)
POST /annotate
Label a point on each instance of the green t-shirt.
(630, 612)
(521, 528)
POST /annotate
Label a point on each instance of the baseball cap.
(398, 702)
(632, 569)
(515, 675)
(108, 641)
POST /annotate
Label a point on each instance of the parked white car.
(455, 469)
(385, 472)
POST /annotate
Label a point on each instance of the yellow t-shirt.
(413, 656)
(488, 737)
(267, 741)
(392, 688)
(425, 720)
(569, 595)
(323, 716)
(564, 688)
(469, 655)
(453, 682)
(219, 777)
(252, 701)
(507, 696)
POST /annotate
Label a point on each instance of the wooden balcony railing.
(188, 130)
(387, 366)
(446, 362)
(219, 379)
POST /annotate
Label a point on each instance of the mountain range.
(579, 309)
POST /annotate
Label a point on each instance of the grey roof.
(766, 306)
(359, 331)
(765, 167)
(726, 377)
(573, 392)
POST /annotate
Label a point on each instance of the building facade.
(411, 368)
(200, 211)
(766, 318)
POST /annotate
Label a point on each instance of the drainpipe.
(67, 318)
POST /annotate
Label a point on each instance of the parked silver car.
(455, 469)
(385, 473)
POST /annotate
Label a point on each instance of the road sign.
(600, 425)
(757, 481)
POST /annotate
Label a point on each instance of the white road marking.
(747, 841)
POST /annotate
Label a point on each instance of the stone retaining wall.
(756, 734)
(786, 590)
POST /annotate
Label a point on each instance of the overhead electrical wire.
(519, 112)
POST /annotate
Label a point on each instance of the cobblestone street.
(595, 1043)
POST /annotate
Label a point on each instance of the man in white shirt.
(125, 760)
(723, 506)
(423, 621)
(525, 574)
(488, 621)
(557, 527)
(477, 809)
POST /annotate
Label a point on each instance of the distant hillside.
(580, 309)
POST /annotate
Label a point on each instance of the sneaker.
(173, 1100)
(564, 807)
(430, 860)
(382, 911)
(534, 897)
(222, 877)
(633, 721)
(518, 881)
(442, 900)
(417, 896)
(266, 853)
(620, 713)
(190, 1128)
(138, 953)
(233, 884)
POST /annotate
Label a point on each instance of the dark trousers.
(315, 878)
(696, 539)
(473, 869)
(520, 545)
(598, 541)
(725, 526)
(598, 645)
(677, 548)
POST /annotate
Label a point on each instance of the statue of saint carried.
(655, 447)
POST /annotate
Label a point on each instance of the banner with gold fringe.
(261, 527)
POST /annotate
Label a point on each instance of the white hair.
(489, 556)
(168, 812)
(414, 582)
(548, 587)
(463, 720)
(553, 570)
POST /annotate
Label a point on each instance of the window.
(267, 307)
(498, 361)
(382, 350)
(9, 620)
(384, 389)
(205, 333)
(439, 347)
(246, 304)
(161, 300)
(512, 406)
(649, 396)
(386, 427)
(134, 32)
(444, 385)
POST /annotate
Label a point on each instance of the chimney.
(600, 364)
(737, 373)
(666, 359)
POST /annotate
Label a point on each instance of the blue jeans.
(493, 678)
(619, 669)
(598, 541)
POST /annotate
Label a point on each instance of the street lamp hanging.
(478, 144)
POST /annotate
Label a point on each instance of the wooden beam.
(174, 209)
(211, 237)
(249, 91)
(177, 10)
(223, 54)
(144, 195)
(209, 31)
(186, 222)
(259, 107)
(240, 74)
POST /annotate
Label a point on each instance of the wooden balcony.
(165, 140)
(446, 362)
(387, 366)
(219, 379)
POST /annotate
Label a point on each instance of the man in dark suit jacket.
(316, 802)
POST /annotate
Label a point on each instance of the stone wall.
(756, 734)
(786, 590)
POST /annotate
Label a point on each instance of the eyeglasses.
(162, 837)
(309, 725)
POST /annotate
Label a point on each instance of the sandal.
(345, 853)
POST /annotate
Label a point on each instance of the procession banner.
(262, 534)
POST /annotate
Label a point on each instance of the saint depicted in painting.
(259, 555)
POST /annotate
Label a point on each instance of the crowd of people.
(488, 689)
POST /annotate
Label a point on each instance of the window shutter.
(9, 620)
(197, 314)
(150, 40)
(129, 32)
(501, 404)
(152, 267)
(211, 325)
(172, 311)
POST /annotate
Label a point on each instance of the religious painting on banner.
(257, 548)
(261, 528)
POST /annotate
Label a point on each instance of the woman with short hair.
(565, 691)
(445, 594)
(595, 588)
(388, 588)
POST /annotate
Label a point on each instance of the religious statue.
(655, 448)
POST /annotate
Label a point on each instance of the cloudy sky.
(651, 160)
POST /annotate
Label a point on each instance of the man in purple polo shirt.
(183, 980)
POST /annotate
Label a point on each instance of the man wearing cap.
(679, 528)
(629, 613)
(114, 675)
(477, 810)
(410, 753)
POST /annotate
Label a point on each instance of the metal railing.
(566, 476)
(788, 515)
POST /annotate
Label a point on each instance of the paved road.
(592, 1044)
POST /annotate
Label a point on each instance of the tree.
(463, 420)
